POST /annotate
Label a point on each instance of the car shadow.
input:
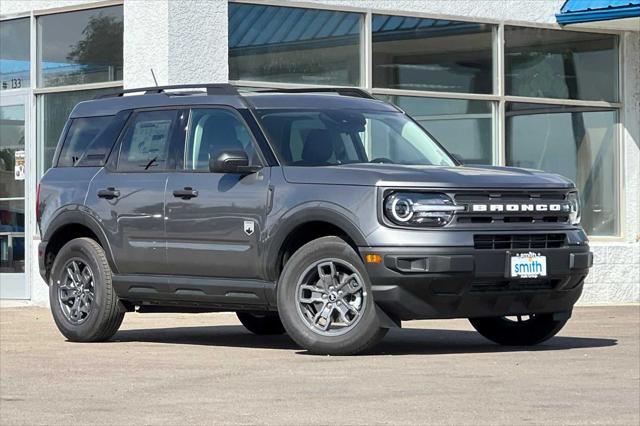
(405, 341)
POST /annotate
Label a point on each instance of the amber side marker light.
(373, 258)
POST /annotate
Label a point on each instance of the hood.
(427, 176)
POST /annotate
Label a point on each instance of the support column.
(184, 41)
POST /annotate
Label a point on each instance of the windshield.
(333, 137)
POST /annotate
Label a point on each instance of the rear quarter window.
(87, 142)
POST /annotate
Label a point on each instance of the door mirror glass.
(232, 162)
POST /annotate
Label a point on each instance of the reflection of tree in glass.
(101, 43)
(7, 160)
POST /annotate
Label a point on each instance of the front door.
(13, 127)
(215, 220)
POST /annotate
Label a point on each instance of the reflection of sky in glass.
(8, 66)
(12, 112)
(257, 25)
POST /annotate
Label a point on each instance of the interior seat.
(317, 149)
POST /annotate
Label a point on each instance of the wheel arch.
(69, 225)
(305, 224)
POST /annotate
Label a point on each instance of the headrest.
(318, 147)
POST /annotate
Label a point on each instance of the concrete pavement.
(206, 368)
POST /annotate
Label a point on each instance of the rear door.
(215, 220)
(128, 194)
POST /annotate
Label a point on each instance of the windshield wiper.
(151, 163)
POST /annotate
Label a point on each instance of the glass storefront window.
(432, 54)
(12, 145)
(14, 54)
(294, 45)
(12, 140)
(11, 236)
(80, 47)
(576, 142)
(463, 127)
(561, 64)
(53, 110)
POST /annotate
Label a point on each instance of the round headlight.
(574, 202)
(420, 209)
(401, 209)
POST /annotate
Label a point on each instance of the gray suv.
(326, 214)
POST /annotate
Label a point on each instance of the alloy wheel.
(331, 297)
(76, 291)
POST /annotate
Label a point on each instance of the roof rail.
(344, 91)
(212, 89)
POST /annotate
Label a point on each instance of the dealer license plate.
(528, 265)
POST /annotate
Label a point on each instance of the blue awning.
(576, 11)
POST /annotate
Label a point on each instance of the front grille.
(518, 241)
(506, 216)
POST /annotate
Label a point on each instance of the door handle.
(109, 193)
(186, 193)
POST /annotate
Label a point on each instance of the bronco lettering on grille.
(528, 207)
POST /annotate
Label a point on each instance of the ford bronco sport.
(325, 214)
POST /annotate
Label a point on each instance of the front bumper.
(464, 282)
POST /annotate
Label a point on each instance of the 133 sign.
(14, 83)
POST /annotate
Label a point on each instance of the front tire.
(261, 324)
(524, 330)
(83, 302)
(325, 300)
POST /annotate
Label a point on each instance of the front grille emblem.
(520, 207)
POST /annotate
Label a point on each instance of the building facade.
(497, 82)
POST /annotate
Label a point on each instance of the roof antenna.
(154, 77)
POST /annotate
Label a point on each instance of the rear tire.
(83, 302)
(325, 300)
(504, 331)
(261, 324)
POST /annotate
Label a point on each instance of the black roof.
(227, 95)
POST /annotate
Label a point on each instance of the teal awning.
(576, 11)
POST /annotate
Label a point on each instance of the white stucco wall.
(185, 41)
(10, 7)
(146, 43)
(198, 42)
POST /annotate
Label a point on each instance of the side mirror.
(458, 158)
(232, 162)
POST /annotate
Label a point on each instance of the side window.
(85, 134)
(212, 131)
(145, 145)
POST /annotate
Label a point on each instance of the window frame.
(182, 145)
(364, 28)
(499, 98)
(113, 162)
(30, 43)
(82, 161)
(566, 101)
(36, 48)
(617, 175)
(492, 48)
